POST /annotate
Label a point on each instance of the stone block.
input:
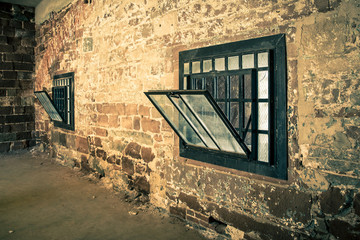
(150, 125)
(82, 144)
(178, 211)
(331, 201)
(142, 185)
(133, 150)
(147, 155)
(356, 204)
(4, 147)
(191, 202)
(100, 153)
(131, 109)
(127, 165)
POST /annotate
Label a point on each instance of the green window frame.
(258, 109)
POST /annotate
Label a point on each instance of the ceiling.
(29, 3)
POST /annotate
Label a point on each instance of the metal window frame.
(64, 124)
(278, 156)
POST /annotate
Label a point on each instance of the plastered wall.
(119, 49)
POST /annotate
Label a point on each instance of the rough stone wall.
(119, 49)
(17, 61)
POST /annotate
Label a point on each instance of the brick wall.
(118, 50)
(17, 41)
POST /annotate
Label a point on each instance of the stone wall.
(119, 49)
(17, 42)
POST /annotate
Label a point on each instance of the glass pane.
(234, 114)
(217, 127)
(199, 128)
(247, 114)
(177, 120)
(233, 63)
(220, 64)
(186, 68)
(248, 61)
(263, 121)
(234, 86)
(222, 106)
(195, 67)
(185, 83)
(221, 87)
(209, 85)
(247, 86)
(247, 140)
(263, 149)
(48, 106)
(199, 83)
(207, 65)
(263, 59)
(263, 85)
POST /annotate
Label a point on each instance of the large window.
(61, 107)
(246, 81)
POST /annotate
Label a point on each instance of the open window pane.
(196, 118)
(176, 120)
(214, 123)
(46, 102)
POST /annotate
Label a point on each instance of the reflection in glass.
(212, 120)
(234, 86)
(221, 87)
(247, 114)
(199, 83)
(198, 127)
(248, 61)
(220, 64)
(247, 86)
(186, 68)
(207, 65)
(263, 59)
(263, 85)
(209, 85)
(263, 121)
(263, 149)
(233, 63)
(177, 120)
(234, 114)
(195, 67)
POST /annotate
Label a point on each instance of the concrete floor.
(40, 199)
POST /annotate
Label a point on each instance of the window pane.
(221, 87)
(222, 106)
(233, 63)
(209, 85)
(186, 68)
(220, 64)
(234, 86)
(247, 114)
(263, 121)
(263, 149)
(207, 65)
(212, 120)
(177, 120)
(263, 84)
(247, 86)
(199, 83)
(195, 67)
(263, 59)
(248, 140)
(199, 128)
(248, 61)
(234, 114)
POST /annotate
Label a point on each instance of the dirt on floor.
(40, 199)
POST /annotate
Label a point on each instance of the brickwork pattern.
(120, 49)
(17, 63)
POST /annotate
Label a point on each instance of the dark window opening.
(61, 108)
(247, 82)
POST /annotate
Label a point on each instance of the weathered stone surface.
(331, 201)
(147, 155)
(290, 203)
(357, 204)
(82, 144)
(100, 153)
(191, 201)
(178, 211)
(343, 230)
(142, 185)
(133, 150)
(127, 165)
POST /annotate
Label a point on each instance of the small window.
(246, 83)
(61, 108)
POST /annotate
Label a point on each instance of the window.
(247, 81)
(61, 108)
